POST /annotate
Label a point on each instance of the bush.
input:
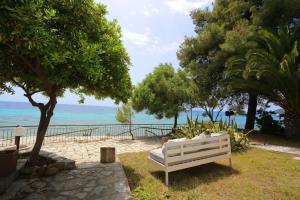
(192, 129)
(239, 141)
(267, 124)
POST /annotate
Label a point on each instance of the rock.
(41, 170)
(88, 189)
(27, 189)
(69, 165)
(120, 187)
(58, 198)
(98, 190)
(50, 171)
(81, 195)
(59, 165)
(106, 173)
(35, 170)
(35, 196)
(38, 184)
(27, 170)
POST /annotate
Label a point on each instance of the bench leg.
(230, 163)
(167, 178)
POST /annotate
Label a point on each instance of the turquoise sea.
(21, 113)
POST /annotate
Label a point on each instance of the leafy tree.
(223, 32)
(220, 32)
(50, 46)
(271, 69)
(164, 92)
(125, 114)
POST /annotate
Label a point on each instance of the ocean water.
(21, 113)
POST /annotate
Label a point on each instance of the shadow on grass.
(132, 177)
(191, 178)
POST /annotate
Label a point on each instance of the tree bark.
(175, 121)
(130, 130)
(292, 125)
(45, 117)
(251, 113)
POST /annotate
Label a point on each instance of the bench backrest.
(196, 149)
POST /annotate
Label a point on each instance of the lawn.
(256, 174)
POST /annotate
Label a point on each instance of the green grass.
(256, 174)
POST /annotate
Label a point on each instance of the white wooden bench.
(179, 155)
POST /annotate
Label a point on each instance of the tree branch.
(220, 110)
(28, 94)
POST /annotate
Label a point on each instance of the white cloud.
(135, 38)
(164, 48)
(132, 12)
(149, 43)
(186, 6)
(149, 10)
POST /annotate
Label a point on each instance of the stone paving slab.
(90, 151)
(91, 180)
(98, 181)
(282, 149)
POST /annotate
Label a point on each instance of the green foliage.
(271, 69)
(276, 12)
(221, 33)
(267, 124)
(51, 46)
(163, 92)
(125, 113)
(192, 129)
(239, 141)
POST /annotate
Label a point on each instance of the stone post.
(108, 154)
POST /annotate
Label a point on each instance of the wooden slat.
(173, 151)
(199, 147)
(195, 147)
(187, 142)
(197, 162)
(196, 155)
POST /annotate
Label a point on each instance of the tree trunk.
(46, 114)
(130, 130)
(251, 113)
(292, 125)
(175, 121)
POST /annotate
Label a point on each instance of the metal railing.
(85, 133)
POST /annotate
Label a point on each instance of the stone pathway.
(283, 149)
(85, 153)
(91, 180)
(97, 182)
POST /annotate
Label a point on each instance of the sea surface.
(21, 113)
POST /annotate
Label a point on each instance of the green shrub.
(239, 141)
(267, 124)
(192, 129)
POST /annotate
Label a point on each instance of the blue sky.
(152, 32)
